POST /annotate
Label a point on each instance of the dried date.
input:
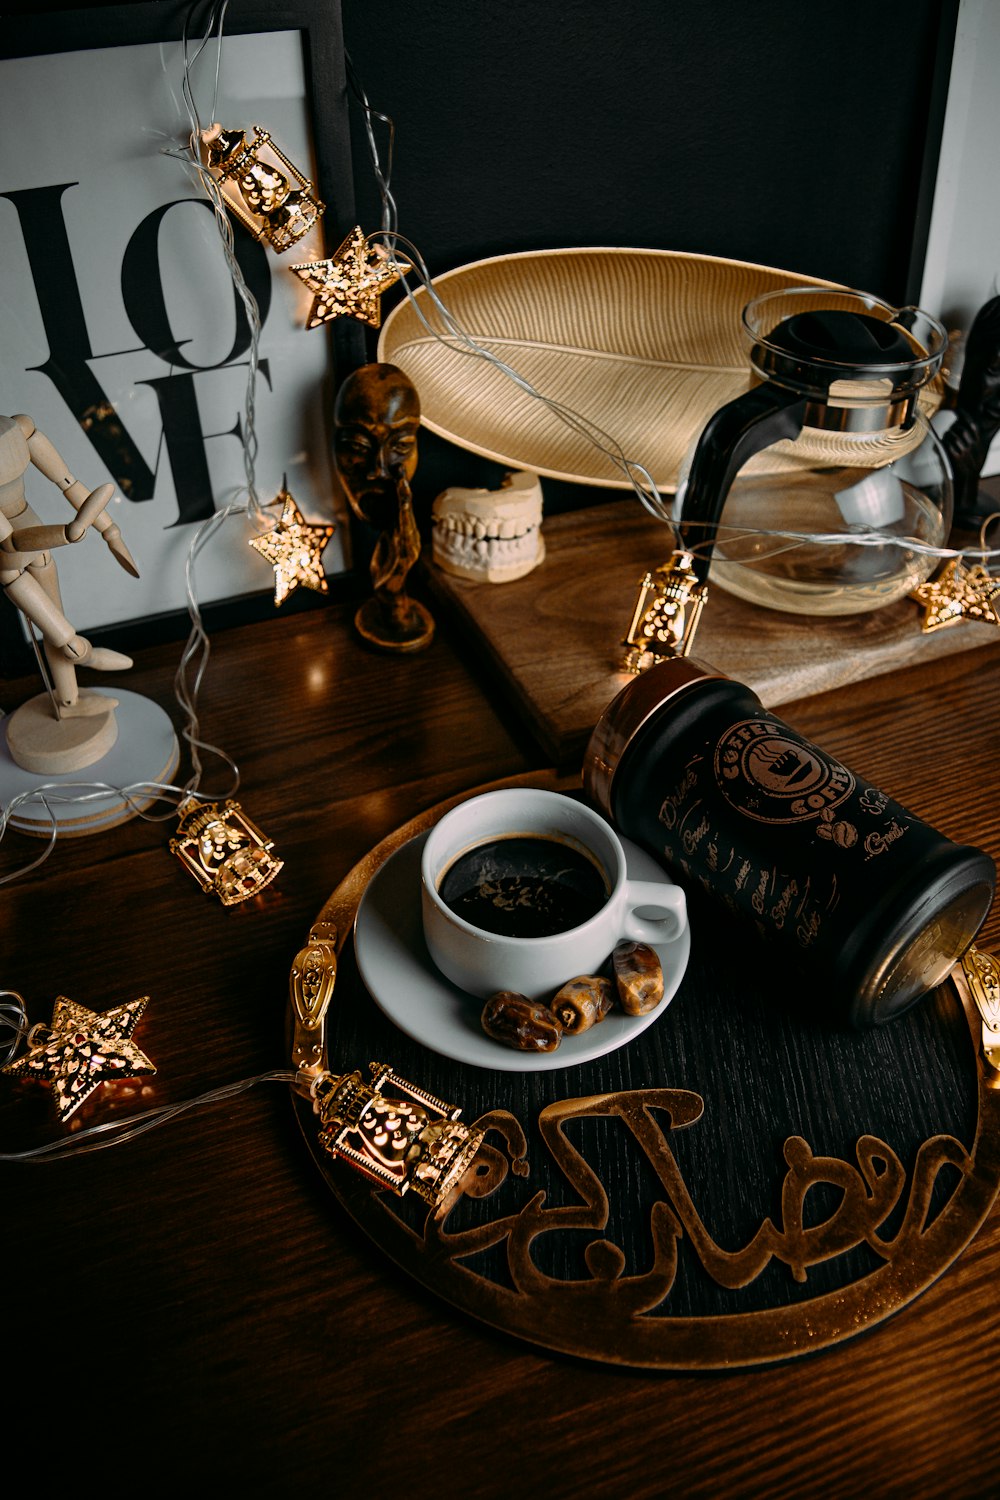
(518, 1022)
(582, 1003)
(638, 976)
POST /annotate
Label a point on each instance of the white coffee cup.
(482, 962)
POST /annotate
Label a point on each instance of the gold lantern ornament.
(224, 850)
(405, 1140)
(276, 202)
(666, 614)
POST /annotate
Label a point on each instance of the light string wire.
(460, 341)
(390, 215)
(197, 650)
(140, 796)
(787, 540)
(192, 159)
(453, 336)
(116, 1132)
(13, 1018)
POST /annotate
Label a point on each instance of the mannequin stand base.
(47, 746)
(145, 749)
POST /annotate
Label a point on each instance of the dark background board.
(785, 132)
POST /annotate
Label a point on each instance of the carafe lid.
(843, 345)
(844, 336)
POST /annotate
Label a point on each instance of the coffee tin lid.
(926, 927)
(626, 714)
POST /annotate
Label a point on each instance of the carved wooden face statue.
(376, 421)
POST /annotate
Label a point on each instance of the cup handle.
(667, 899)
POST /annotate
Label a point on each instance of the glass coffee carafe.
(818, 489)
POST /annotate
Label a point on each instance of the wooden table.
(194, 1306)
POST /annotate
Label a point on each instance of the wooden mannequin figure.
(376, 421)
(64, 729)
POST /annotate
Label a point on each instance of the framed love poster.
(123, 336)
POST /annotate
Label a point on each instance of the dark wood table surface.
(194, 1306)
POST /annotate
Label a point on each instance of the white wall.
(962, 268)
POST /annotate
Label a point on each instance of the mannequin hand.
(91, 508)
(113, 536)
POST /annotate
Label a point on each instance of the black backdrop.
(788, 132)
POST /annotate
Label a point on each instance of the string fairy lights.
(283, 215)
(140, 798)
(351, 282)
(393, 1132)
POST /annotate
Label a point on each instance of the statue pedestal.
(409, 629)
(142, 748)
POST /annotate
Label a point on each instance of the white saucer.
(402, 980)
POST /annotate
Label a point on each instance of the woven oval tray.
(643, 344)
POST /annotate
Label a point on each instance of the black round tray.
(742, 1183)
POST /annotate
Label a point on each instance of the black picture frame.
(45, 30)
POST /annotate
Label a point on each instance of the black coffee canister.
(877, 904)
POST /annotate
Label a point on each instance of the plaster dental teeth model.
(491, 536)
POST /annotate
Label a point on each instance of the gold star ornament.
(351, 282)
(81, 1050)
(959, 593)
(294, 549)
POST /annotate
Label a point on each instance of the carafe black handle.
(733, 435)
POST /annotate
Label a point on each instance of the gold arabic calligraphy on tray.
(742, 1184)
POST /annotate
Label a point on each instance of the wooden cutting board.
(555, 636)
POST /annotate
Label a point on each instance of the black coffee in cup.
(524, 886)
